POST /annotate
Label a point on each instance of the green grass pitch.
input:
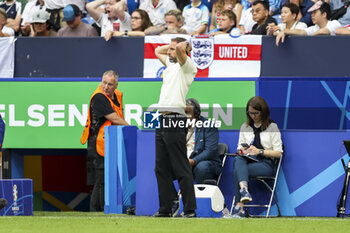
(67, 222)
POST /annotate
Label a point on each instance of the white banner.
(221, 56)
(7, 57)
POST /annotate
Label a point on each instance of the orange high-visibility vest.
(100, 141)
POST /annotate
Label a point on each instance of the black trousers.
(172, 163)
(96, 176)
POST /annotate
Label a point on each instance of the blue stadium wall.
(305, 82)
(322, 56)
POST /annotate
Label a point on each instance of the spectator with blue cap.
(75, 27)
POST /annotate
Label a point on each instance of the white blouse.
(296, 25)
(270, 138)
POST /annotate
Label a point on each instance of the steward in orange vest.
(100, 135)
(105, 109)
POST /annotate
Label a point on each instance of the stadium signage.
(56, 115)
(233, 52)
(53, 114)
(221, 57)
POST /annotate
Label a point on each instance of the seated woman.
(289, 15)
(140, 21)
(264, 140)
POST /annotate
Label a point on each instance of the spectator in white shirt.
(321, 12)
(30, 8)
(289, 15)
(196, 18)
(246, 22)
(5, 31)
(156, 9)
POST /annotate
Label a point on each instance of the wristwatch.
(261, 152)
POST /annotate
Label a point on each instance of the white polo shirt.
(331, 25)
(195, 17)
(107, 25)
(156, 14)
(54, 4)
(177, 80)
(247, 20)
(296, 25)
(31, 8)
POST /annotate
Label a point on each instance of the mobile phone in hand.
(245, 145)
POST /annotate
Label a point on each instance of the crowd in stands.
(109, 18)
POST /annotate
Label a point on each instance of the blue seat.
(208, 3)
(132, 5)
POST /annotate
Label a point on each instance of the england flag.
(222, 56)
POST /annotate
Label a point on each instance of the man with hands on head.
(171, 157)
(115, 19)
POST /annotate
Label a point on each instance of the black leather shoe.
(162, 215)
(189, 215)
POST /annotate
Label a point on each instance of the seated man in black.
(202, 149)
(202, 145)
(260, 12)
